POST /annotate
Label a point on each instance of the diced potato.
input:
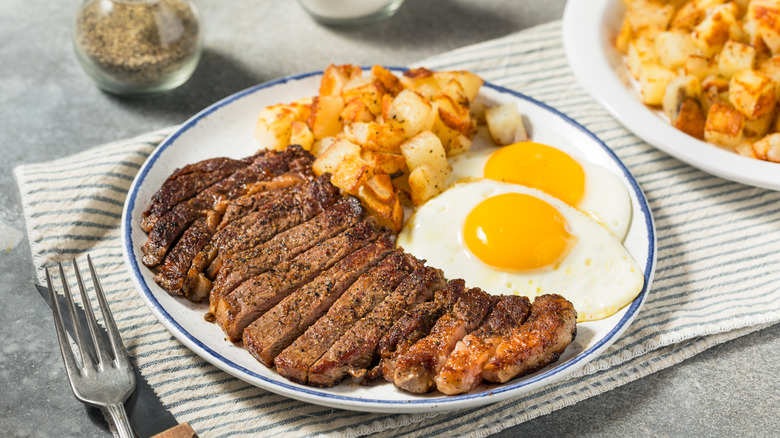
(458, 145)
(734, 57)
(690, 118)
(649, 15)
(674, 48)
(388, 214)
(274, 124)
(752, 93)
(325, 119)
(356, 111)
(653, 81)
(392, 164)
(641, 51)
(319, 146)
(771, 69)
(422, 81)
(505, 124)
(700, 67)
(301, 135)
(745, 149)
(687, 17)
(335, 77)
(477, 112)
(332, 157)
(768, 148)
(425, 182)
(763, 18)
(412, 111)
(724, 125)
(678, 90)
(759, 127)
(624, 37)
(370, 94)
(350, 174)
(719, 26)
(469, 82)
(425, 149)
(381, 185)
(389, 81)
(383, 137)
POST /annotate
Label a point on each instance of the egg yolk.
(539, 166)
(517, 232)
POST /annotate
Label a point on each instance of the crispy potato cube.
(387, 79)
(768, 148)
(678, 90)
(274, 124)
(771, 69)
(422, 81)
(392, 164)
(350, 174)
(687, 17)
(745, 149)
(690, 118)
(505, 124)
(624, 37)
(382, 137)
(335, 77)
(724, 125)
(648, 14)
(388, 214)
(369, 93)
(381, 186)
(734, 57)
(653, 81)
(752, 93)
(332, 157)
(356, 111)
(301, 135)
(325, 118)
(469, 82)
(719, 26)
(674, 48)
(763, 19)
(425, 182)
(641, 51)
(425, 148)
(319, 146)
(458, 145)
(699, 67)
(412, 111)
(756, 128)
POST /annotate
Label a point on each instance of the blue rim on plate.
(318, 396)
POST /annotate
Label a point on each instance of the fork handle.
(121, 422)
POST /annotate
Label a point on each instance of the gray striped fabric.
(717, 275)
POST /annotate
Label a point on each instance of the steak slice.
(185, 183)
(463, 370)
(415, 370)
(276, 329)
(255, 296)
(412, 327)
(365, 293)
(354, 352)
(214, 200)
(170, 276)
(241, 266)
(537, 343)
(258, 195)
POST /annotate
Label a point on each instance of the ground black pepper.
(137, 43)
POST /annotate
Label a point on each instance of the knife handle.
(181, 431)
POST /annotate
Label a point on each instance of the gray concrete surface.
(49, 108)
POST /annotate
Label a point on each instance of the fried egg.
(511, 239)
(587, 186)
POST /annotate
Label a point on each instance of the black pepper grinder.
(138, 47)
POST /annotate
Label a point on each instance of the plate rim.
(285, 388)
(584, 28)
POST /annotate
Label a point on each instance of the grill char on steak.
(369, 290)
(354, 352)
(255, 296)
(279, 327)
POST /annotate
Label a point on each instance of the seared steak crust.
(463, 369)
(255, 296)
(170, 276)
(185, 183)
(415, 370)
(354, 352)
(369, 290)
(279, 327)
(259, 195)
(537, 343)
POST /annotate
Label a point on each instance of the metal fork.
(104, 377)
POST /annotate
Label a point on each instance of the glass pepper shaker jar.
(138, 47)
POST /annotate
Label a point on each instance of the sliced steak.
(415, 369)
(170, 275)
(463, 370)
(276, 329)
(537, 343)
(412, 327)
(284, 246)
(354, 352)
(214, 200)
(368, 291)
(255, 296)
(185, 183)
(258, 195)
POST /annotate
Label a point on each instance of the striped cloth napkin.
(717, 274)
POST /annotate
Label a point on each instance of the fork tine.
(113, 333)
(100, 349)
(86, 355)
(67, 354)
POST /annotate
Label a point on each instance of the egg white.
(605, 199)
(598, 275)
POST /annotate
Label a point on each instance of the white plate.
(589, 29)
(226, 129)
